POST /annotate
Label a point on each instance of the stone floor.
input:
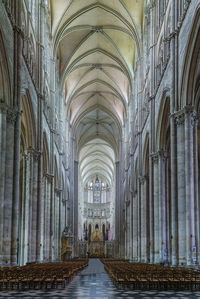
(94, 282)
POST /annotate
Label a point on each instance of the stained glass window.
(97, 193)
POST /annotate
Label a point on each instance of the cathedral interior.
(100, 131)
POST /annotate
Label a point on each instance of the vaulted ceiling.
(98, 44)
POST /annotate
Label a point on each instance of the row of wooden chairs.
(148, 277)
(38, 276)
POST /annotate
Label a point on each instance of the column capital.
(58, 190)
(35, 153)
(155, 156)
(180, 119)
(3, 107)
(159, 154)
(135, 193)
(163, 154)
(152, 4)
(142, 179)
(12, 116)
(26, 156)
(12, 113)
(49, 176)
(181, 115)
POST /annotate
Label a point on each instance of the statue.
(67, 232)
(67, 243)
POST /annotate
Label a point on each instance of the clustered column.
(2, 172)
(143, 181)
(8, 187)
(188, 218)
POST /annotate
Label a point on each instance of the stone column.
(49, 224)
(191, 240)
(117, 210)
(32, 242)
(151, 196)
(127, 229)
(143, 220)
(52, 217)
(162, 203)
(174, 196)
(135, 226)
(44, 215)
(139, 218)
(180, 117)
(24, 216)
(131, 226)
(75, 216)
(173, 39)
(8, 192)
(3, 125)
(122, 226)
(30, 205)
(16, 179)
(168, 214)
(196, 186)
(48, 219)
(156, 208)
(60, 224)
(39, 176)
(17, 102)
(56, 222)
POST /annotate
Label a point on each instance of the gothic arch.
(28, 122)
(163, 120)
(190, 75)
(145, 154)
(5, 82)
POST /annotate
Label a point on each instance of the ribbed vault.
(98, 44)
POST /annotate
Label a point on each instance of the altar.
(96, 245)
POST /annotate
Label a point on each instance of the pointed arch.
(5, 74)
(190, 74)
(163, 121)
(28, 127)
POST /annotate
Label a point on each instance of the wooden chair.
(143, 280)
(132, 281)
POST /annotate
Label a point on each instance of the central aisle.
(95, 266)
(92, 282)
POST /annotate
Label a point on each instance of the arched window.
(90, 192)
(97, 192)
(103, 192)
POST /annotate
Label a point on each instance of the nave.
(93, 282)
(99, 141)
